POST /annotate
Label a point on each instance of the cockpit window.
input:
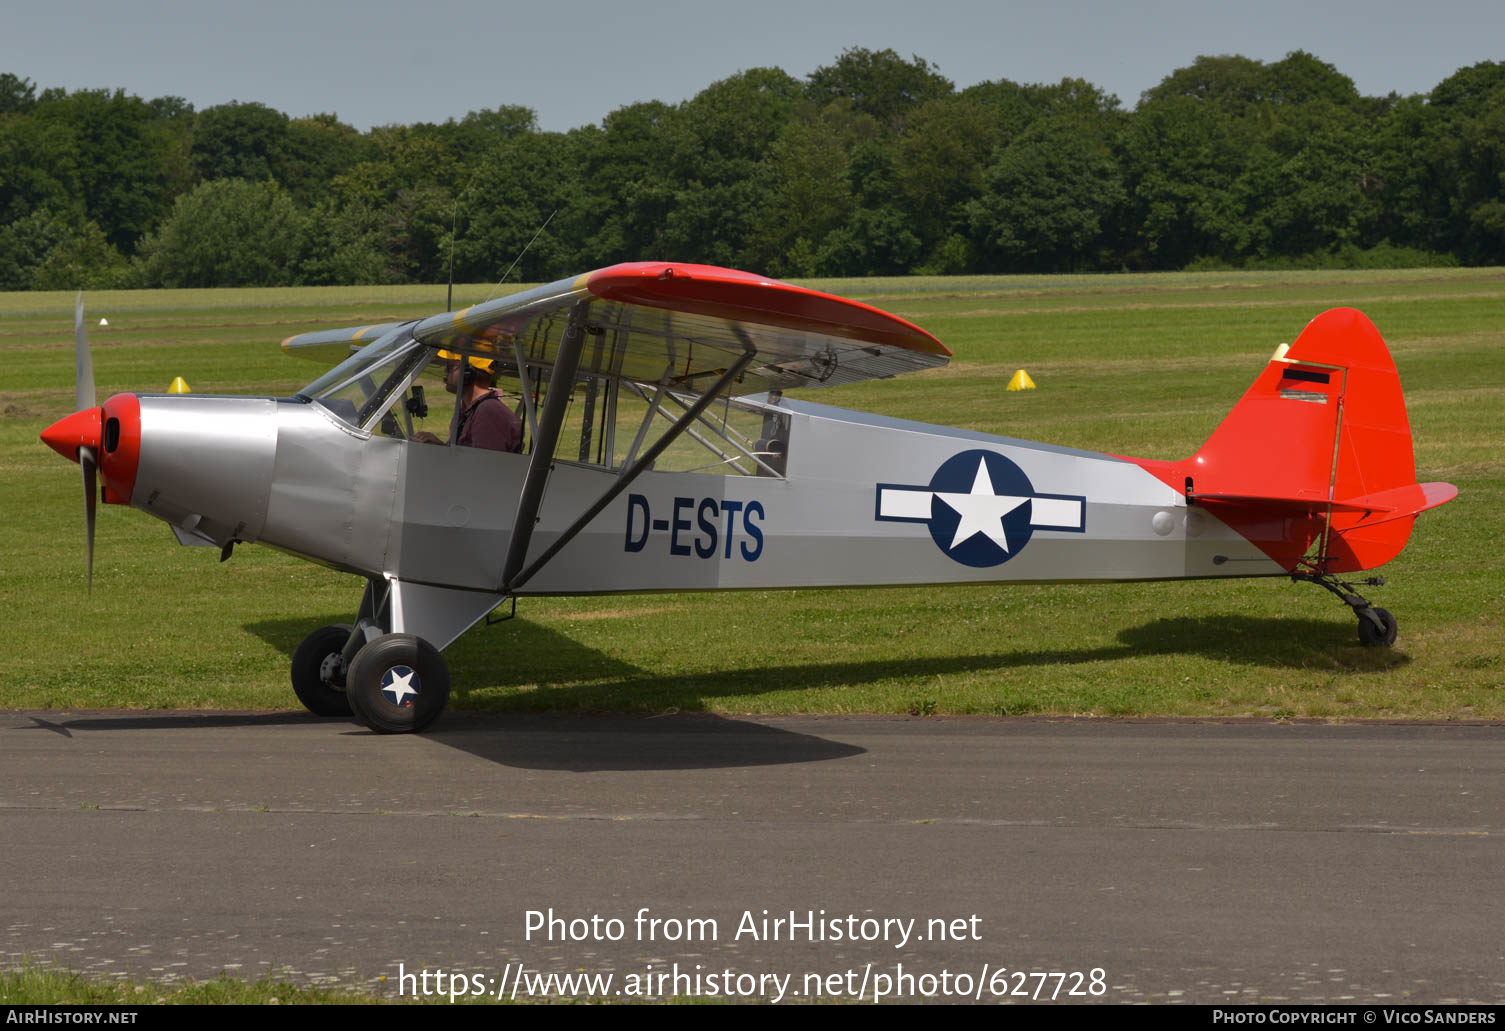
(364, 389)
(380, 390)
(623, 419)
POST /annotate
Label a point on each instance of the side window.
(613, 422)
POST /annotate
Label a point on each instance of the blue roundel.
(400, 685)
(980, 508)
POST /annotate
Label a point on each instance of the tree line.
(871, 165)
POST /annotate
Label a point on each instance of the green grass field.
(1142, 365)
(40, 986)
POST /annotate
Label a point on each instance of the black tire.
(1372, 637)
(319, 673)
(398, 684)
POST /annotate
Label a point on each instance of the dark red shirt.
(490, 423)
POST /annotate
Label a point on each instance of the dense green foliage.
(872, 165)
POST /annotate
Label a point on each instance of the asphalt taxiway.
(1185, 861)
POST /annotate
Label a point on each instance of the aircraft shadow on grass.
(531, 654)
(525, 654)
(1272, 643)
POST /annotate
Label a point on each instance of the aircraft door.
(454, 514)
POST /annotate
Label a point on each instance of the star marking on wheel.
(398, 684)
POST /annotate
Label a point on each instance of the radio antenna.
(454, 222)
(454, 225)
(519, 258)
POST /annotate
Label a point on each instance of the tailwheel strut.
(1377, 627)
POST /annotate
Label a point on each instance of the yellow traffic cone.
(180, 386)
(1021, 381)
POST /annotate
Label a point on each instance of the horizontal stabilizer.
(1395, 503)
(1401, 501)
(1290, 503)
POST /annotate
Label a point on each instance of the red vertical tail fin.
(1317, 452)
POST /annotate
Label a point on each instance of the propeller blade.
(86, 462)
(83, 366)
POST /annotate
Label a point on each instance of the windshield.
(363, 388)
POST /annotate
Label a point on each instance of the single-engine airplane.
(662, 455)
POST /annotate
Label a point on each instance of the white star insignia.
(401, 686)
(981, 511)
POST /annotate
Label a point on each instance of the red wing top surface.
(658, 322)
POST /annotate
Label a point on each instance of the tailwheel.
(1377, 631)
(397, 684)
(1376, 626)
(319, 671)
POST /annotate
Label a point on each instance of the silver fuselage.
(859, 505)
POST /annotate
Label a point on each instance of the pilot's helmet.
(486, 365)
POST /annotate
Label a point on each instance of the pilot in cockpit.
(486, 420)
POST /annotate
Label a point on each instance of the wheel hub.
(332, 670)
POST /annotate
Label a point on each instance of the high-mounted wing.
(697, 331)
(660, 322)
(332, 346)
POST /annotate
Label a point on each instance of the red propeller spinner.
(112, 435)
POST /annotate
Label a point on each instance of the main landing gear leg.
(1376, 626)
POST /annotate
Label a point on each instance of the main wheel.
(319, 671)
(1371, 636)
(397, 684)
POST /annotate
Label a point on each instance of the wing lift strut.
(515, 573)
(359, 678)
(375, 617)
